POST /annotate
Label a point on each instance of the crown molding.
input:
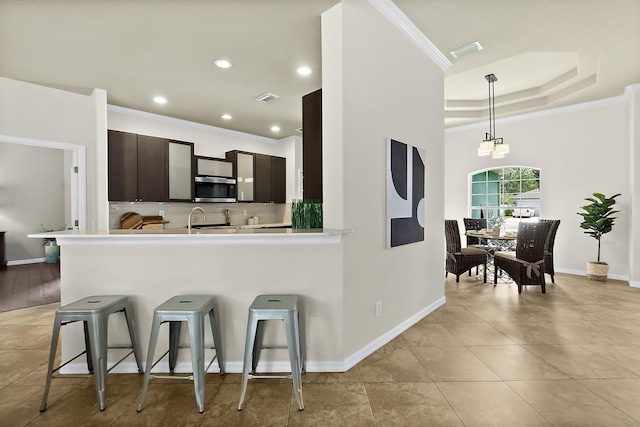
(389, 10)
(547, 112)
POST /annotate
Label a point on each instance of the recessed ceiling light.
(160, 100)
(275, 128)
(468, 48)
(227, 116)
(222, 63)
(304, 71)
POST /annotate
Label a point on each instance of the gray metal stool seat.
(191, 309)
(273, 307)
(94, 312)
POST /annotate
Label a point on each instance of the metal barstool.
(191, 309)
(273, 307)
(94, 312)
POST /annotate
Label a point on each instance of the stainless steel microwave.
(215, 189)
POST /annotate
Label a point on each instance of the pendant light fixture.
(492, 145)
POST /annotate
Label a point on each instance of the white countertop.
(222, 235)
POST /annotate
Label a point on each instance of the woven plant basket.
(597, 271)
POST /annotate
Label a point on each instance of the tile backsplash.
(177, 213)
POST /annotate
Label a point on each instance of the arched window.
(502, 193)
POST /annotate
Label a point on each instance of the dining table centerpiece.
(495, 224)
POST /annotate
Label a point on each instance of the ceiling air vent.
(267, 97)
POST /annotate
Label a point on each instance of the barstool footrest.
(206, 370)
(264, 376)
(172, 377)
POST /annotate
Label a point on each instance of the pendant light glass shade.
(497, 154)
(486, 147)
(483, 152)
(501, 148)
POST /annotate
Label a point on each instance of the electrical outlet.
(244, 212)
(378, 308)
(161, 213)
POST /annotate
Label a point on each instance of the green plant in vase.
(598, 220)
(306, 214)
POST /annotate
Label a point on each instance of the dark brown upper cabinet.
(270, 179)
(260, 178)
(137, 167)
(312, 145)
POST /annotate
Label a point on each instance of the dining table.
(492, 243)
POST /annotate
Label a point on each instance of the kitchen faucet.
(197, 208)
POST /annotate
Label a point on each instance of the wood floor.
(29, 285)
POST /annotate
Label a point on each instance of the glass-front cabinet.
(180, 171)
(244, 170)
(245, 177)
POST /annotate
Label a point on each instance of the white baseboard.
(584, 273)
(80, 368)
(25, 261)
(279, 366)
(375, 345)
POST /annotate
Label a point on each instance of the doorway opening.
(74, 161)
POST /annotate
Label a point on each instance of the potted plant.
(598, 220)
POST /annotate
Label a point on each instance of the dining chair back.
(526, 267)
(548, 247)
(461, 259)
(474, 224)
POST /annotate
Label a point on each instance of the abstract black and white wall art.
(405, 193)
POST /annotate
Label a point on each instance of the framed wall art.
(405, 171)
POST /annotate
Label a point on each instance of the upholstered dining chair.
(461, 259)
(548, 247)
(526, 266)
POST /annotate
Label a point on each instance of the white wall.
(378, 85)
(52, 117)
(580, 150)
(208, 140)
(235, 273)
(633, 95)
(32, 193)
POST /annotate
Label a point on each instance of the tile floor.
(489, 357)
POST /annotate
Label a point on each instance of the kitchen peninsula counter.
(234, 265)
(214, 235)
